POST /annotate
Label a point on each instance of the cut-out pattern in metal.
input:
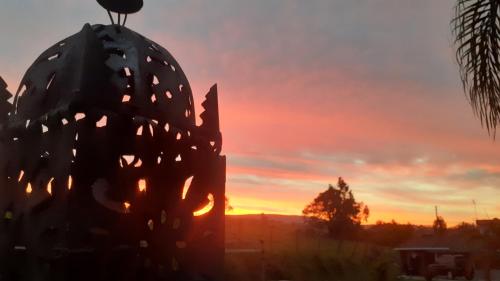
(104, 174)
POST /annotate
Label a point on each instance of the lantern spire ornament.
(121, 7)
(123, 184)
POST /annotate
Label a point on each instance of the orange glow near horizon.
(383, 216)
(423, 214)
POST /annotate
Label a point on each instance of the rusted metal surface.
(103, 167)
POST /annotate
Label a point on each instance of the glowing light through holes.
(151, 129)
(128, 73)
(79, 116)
(50, 81)
(128, 159)
(207, 208)
(102, 122)
(70, 182)
(29, 189)
(49, 186)
(53, 57)
(141, 184)
(126, 207)
(187, 184)
(155, 80)
(21, 175)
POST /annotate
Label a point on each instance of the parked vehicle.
(432, 262)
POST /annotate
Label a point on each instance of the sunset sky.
(310, 91)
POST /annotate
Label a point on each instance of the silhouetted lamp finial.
(121, 7)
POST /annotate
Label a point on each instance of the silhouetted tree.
(337, 210)
(466, 229)
(439, 225)
(477, 37)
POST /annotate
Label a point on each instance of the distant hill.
(293, 219)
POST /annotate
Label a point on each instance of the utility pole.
(475, 208)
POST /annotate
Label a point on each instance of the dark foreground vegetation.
(288, 251)
(287, 248)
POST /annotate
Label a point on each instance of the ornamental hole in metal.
(104, 174)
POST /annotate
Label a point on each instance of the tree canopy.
(337, 210)
(439, 225)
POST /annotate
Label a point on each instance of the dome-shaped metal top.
(101, 155)
(110, 68)
(121, 6)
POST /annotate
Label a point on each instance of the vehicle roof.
(434, 249)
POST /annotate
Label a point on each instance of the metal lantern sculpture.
(104, 174)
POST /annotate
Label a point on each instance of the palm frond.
(476, 28)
